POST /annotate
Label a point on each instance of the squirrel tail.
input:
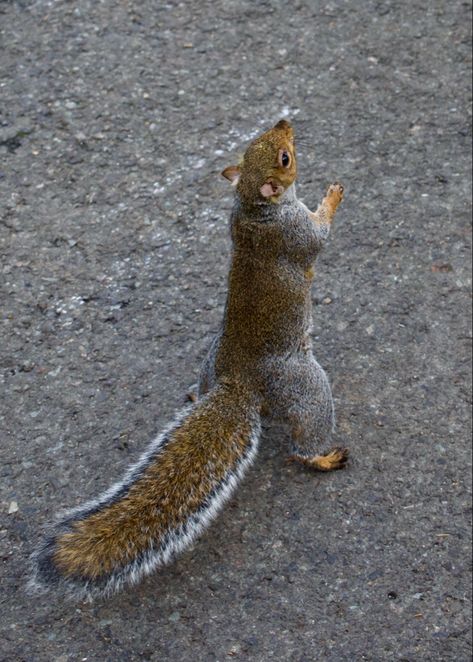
(160, 506)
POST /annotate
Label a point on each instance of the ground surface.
(116, 118)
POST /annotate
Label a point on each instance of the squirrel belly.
(162, 504)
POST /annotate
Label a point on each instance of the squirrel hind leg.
(300, 396)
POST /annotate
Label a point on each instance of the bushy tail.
(162, 504)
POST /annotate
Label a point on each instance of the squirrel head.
(268, 166)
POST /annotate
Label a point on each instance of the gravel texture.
(115, 120)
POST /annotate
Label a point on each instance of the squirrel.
(259, 365)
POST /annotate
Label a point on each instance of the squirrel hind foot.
(334, 459)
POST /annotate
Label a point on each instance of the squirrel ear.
(232, 173)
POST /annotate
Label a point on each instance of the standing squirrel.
(259, 365)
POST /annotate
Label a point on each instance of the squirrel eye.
(284, 158)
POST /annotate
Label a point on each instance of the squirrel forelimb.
(326, 210)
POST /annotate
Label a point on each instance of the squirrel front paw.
(334, 196)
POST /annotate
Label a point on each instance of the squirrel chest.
(269, 301)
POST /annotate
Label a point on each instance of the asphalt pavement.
(116, 118)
